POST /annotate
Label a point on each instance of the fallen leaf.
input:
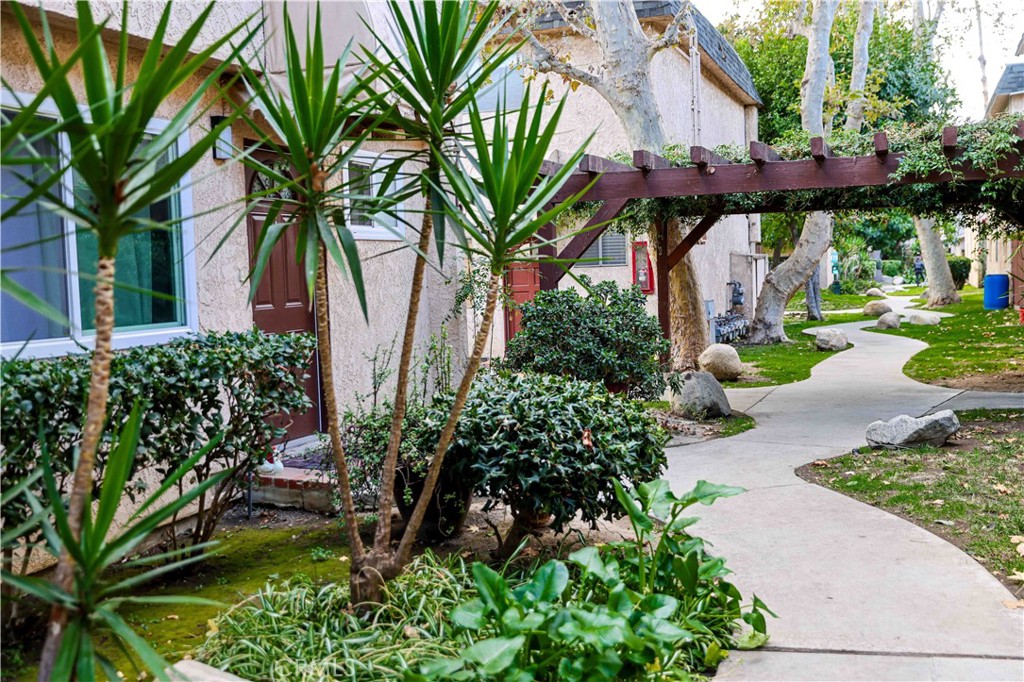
(937, 503)
(1020, 549)
(1017, 576)
(943, 522)
(172, 616)
(819, 463)
(1000, 488)
(411, 632)
(473, 529)
(1013, 604)
(1016, 538)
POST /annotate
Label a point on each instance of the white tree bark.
(624, 81)
(859, 74)
(941, 288)
(783, 281)
(981, 52)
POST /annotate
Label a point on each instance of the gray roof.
(1010, 83)
(711, 41)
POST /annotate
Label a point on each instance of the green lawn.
(830, 301)
(976, 343)
(968, 491)
(784, 363)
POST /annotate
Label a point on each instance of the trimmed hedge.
(960, 268)
(191, 389)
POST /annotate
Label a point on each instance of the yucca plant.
(121, 171)
(498, 211)
(92, 598)
(319, 127)
(449, 53)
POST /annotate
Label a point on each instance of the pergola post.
(661, 269)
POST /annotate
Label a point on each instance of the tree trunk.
(782, 282)
(480, 342)
(688, 321)
(812, 295)
(92, 432)
(858, 77)
(981, 52)
(941, 288)
(382, 538)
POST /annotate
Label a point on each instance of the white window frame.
(79, 337)
(374, 232)
(600, 250)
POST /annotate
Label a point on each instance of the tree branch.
(670, 36)
(546, 61)
(797, 27)
(573, 18)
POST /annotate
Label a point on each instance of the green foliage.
(607, 337)
(892, 268)
(95, 597)
(319, 554)
(192, 390)
(960, 267)
(643, 608)
(548, 445)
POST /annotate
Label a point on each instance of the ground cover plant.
(975, 348)
(604, 334)
(784, 363)
(968, 491)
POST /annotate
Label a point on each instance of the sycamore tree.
(623, 78)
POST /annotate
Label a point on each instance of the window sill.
(64, 346)
(374, 234)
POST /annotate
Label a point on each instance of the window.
(45, 253)
(610, 247)
(506, 86)
(372, 219)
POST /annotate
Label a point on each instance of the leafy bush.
(892, 268)
(624, 611)
(855, 286)
(190, 390)
(606, 337)
(960, 268)
(548, 445)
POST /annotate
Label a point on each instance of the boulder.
(876, 308)
(905, 431)
(722, 361)
(888, 321)
(875, 291)
(924, 318)
(898, 280)
(701, 397)
(831, 339)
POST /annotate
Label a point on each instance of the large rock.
(898, 280)
(924, 318)
(905, 431)
(831, 339)
(722, 361)
(875, 291)
(888, 321)
(701, 397)
(876, 308)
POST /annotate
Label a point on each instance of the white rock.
(898, 280)
(924, 318)
(722, 361)
(904, 430)
(888, 321)
(701, 397)
(831, 339)
(875, 291)
(876, 308)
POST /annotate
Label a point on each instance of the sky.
(1002, 24)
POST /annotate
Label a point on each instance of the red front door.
(522, 282)
(281, 305)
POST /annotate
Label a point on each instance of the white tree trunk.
(981, 52)
(816, 67)
(941, 288)
(859, 75)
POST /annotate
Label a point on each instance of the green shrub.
(892, 268)
(607, 337)
(543, 444)
(960, 268)
(190, 390)
(856, 286)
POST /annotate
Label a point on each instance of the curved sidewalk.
(861, 594)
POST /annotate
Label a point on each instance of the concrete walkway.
(861, 594)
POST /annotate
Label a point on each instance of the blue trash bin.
(997, 292)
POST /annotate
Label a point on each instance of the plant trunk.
(941, 288)
(95, 420)
(688, 320)
(330, 396)
(812, 295)
(480, 342)
(858, 76)
(382, 538)
(782, 282)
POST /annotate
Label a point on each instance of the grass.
(245, 561)
(969, 493)
(830, 301)
(736, 424)
(973, 342)
(784, 363)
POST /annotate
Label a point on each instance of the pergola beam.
(819, 150)
(552, 272)
(692, 238)
(705, 160)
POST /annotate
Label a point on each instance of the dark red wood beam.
(949, 149)
(839, 172)
(691, 238)
(819, 150)
(551, 273)
(760, 153)
(705, 160)
(598, 164)
(648, 161)
(881, 146)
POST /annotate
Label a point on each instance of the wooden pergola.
(767, 179)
